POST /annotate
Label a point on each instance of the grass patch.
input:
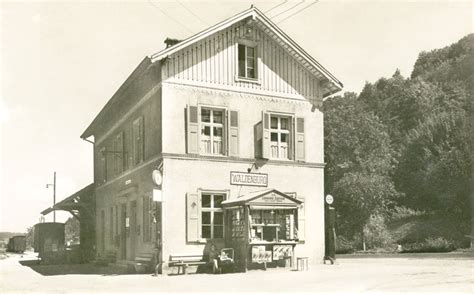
(430, 245)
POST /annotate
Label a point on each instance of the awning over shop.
(73, 203)
(264, 199)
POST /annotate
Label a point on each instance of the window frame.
(290, 132)
(224, 125)
(246, 44)
(211, 209)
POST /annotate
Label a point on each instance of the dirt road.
(442, 273)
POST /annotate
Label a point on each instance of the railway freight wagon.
(49, 242)
(17, 244)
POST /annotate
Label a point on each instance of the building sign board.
(248, 179)
(273, 199)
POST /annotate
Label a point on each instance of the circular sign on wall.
(157, 178)
(329, 199)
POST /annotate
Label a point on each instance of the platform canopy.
(73, 203)
(264, 199)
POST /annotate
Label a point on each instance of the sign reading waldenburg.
(248, 179)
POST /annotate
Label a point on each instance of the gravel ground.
(442, 273)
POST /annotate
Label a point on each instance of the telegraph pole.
(54, 195)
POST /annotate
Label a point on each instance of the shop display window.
(273, 225)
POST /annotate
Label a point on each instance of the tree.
(359, 162)
(30, 237)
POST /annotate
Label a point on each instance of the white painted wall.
(183, 176)
(250, 107)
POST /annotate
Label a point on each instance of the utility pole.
(54, 195)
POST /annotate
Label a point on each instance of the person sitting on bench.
(213, 258)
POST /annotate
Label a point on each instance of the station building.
(216, 139)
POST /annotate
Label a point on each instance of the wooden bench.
(183, 261)
(144, 262)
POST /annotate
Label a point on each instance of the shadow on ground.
(74, 269)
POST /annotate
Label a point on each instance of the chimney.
(171, 42)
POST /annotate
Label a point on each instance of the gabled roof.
(333, 84)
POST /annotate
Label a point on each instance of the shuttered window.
(212, 131)
(205, 216)
(281, 137)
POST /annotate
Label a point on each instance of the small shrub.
(344, 246)
(430, 245)
(376, 233)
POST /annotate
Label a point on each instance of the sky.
(62, 61)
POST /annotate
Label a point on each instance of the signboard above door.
(248, 179)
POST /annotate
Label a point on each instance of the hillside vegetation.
(399, 154)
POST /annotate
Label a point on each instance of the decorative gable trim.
(331, 83)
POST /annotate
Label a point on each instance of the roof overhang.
(330, 83)
(73, 202)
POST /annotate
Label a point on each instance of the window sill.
(205, 241)
(247, 80)
(212, 155)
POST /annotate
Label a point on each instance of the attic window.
(247, 56)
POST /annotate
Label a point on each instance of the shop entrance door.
(123, 231)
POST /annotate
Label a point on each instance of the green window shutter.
(265, 135)
(193, 213)
(233, 133)
(192, 130)
(299, 139)
(301, 218)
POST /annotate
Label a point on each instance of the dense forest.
(399, 155)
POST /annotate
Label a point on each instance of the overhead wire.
(190, 11)
(175, 20)
(294, 6)
(307, 6)
(276, 6)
